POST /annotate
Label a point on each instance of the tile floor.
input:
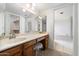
(50, 52)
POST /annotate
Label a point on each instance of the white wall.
(63, 27)
(75, 29)
(50, 29)
(50, 24)
(78, 29)
(1, 22)
(63, 21)
(67, 12)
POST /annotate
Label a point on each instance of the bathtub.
(66, 41)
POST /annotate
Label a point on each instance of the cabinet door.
(28, 48)
(29, 51)
(45, 42)
(15, 51)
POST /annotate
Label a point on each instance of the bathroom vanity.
(23, 45)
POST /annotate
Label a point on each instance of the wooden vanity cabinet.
(44, 41)
(15, 51)
(29, 48)
(25, 49)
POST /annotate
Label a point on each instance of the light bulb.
(28, 5)
(33, 4)
(40, 17)
(33, 8)
(24, 10)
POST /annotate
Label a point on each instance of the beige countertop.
(21, 38)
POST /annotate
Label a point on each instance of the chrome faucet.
(2, 36)
(12, 35)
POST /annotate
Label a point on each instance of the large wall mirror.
(14, 24)
(11, 23)
(9, 19)
(42, 24)
(14, 20)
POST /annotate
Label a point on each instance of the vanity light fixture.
(26, 9)
(33, 8)
(28, 5)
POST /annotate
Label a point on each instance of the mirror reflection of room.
(15, 24)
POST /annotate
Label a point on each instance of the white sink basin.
(11, 41)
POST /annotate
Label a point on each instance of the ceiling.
(17, 7)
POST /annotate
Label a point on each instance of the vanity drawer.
(28, 48)
(27, 44)
(40, 39)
